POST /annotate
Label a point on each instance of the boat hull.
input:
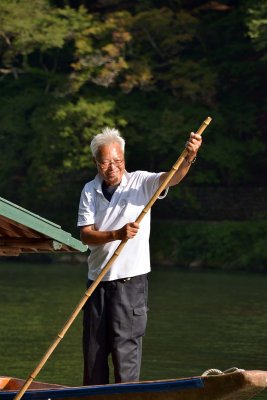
(240, 385)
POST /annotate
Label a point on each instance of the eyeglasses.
(107, 163)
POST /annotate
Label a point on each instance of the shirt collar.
(98, 181)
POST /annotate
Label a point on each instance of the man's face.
(110, 163)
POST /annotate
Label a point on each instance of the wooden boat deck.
(240, 385)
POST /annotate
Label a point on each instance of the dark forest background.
(155, 70)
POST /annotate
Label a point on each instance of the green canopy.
(22, 231)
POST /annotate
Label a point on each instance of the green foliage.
(28, 27)
(45, 147)
(227, 244)
(257, 24)
(153, 69)
(158, 127)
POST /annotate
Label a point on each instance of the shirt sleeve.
(152, 183)
(86, 213)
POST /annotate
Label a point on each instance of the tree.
(257, 25)
(154, 69)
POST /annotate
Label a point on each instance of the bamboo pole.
(104, 271)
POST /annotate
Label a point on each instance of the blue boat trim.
(108, 389)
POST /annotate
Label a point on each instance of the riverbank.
(238, 245)
(200, 245)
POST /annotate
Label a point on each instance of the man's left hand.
(192, 145)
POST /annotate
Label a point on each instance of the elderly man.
(115, 315)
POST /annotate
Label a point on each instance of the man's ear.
(94, 160)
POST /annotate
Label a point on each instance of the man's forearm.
(192, 146)
(178, 176)
(90, 236)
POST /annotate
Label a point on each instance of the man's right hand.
(128, 231)
(90, 235)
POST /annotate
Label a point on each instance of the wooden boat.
(239, 385)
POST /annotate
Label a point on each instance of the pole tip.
(208, 120)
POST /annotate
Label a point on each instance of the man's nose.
(111, 165)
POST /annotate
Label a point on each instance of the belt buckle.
(126, 279)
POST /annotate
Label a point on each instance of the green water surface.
(197, 321)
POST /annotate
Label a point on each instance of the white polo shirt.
(127, 202)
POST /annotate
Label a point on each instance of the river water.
(197, 321)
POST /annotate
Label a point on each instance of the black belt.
(123, 280)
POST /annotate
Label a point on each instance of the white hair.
(106, 136)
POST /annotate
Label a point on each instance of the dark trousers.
(114, 322)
